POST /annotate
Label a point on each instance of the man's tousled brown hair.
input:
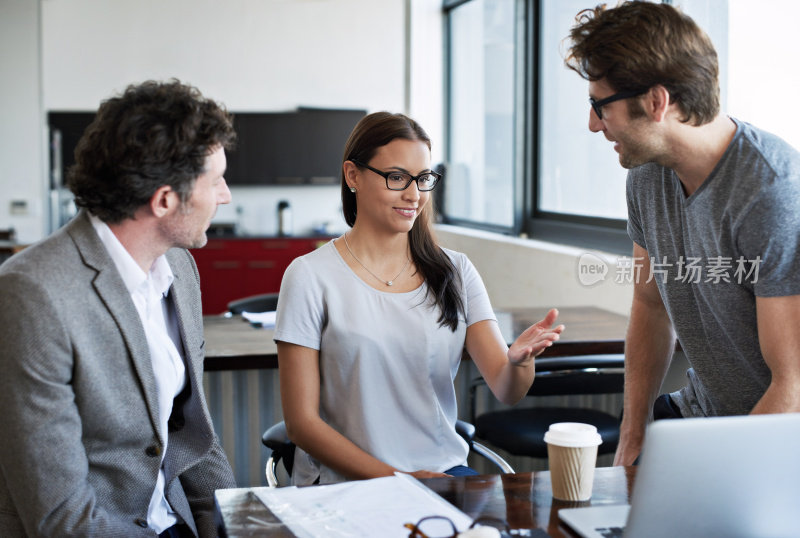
(638, 45)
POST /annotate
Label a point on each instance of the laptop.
(706, 477)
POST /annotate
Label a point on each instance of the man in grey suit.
(104, 422)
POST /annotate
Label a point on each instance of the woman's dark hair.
(638, 45)
(377, 130)
(152, 135)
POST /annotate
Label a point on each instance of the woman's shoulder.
(324, 253)
(452, 254)
(459, 260)
(315, 262)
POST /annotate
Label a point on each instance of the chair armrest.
(465, 430)
(264, 302)
(582, 362)
(276, 437)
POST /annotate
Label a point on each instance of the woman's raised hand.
(535, 339)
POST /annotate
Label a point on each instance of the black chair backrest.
(590, 374)
(266, 302)
(560, 376)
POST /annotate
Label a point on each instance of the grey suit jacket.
(80, 449)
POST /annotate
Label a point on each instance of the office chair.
(520, 431)
(266, 302)
(275, 439)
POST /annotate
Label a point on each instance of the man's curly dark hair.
(153, 134)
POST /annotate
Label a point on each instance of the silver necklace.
(387, 282)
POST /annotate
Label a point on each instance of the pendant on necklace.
(389, 282)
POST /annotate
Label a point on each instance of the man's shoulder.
(776, 153)
(763, 138)
(50, 271)
(67, 259)
(54, 251)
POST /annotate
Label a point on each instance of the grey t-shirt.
(386, 366)
(712, 253)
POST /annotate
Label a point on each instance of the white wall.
(524, 272)
(252, 55)
(22, 127)
(426, 71)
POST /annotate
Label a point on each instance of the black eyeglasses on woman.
(399, 181)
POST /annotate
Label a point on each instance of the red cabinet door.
(234, 268)
(220, 266)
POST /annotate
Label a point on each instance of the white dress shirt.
(149, 293)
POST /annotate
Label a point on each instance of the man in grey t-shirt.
(714, 214)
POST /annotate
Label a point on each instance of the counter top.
(233, 344)
(226, 235)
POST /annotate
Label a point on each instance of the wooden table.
(524, 500)
(233, 344)
(588, 330)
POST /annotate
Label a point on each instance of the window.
(521, 158)
(578, 185)
(579, 173)
(480, 173)
(757, 50)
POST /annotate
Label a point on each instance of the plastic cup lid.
(572, 434)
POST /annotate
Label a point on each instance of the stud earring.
(352, 189)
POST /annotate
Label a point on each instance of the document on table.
(376, 507)
(264, 319)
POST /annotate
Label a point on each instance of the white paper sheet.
(377, 507)
(265, 319)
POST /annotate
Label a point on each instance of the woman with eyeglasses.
(372, 325)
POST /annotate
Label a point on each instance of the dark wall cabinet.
(237, 267)
(302, 147)
(299, 147)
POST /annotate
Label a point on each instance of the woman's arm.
(508, 371)
(300, 391)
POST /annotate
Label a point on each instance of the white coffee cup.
(572, 456)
